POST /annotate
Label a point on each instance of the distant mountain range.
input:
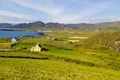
(59, 25)
(22, 25)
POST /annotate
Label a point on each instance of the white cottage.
(14, 39)
(37, 48)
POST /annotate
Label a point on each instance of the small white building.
(37, 48)
(14, 39)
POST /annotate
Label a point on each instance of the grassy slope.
(14, 68)
(62, 63)
(100, 57)
(103, 40)
(52, 70)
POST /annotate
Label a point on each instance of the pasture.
(62, 61)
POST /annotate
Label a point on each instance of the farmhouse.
(14, 39)
(37, 48)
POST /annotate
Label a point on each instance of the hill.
(104, 25)
(103, 40)
(63, 60)
(42, 24)
(5, 25)
(109, 25)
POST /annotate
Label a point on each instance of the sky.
(62, 11)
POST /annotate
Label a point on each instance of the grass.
(62, 61)
(23, 69)
(18, 53)
(5, 45)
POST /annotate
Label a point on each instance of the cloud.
(65, 18)
(14, 14)
(94, 9)
(58, 11)
(46, 6)
(87, 14)
(14, 17)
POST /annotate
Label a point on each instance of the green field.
(63, 60)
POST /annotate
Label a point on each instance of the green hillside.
(103, 40)
(28, 69)
(89, 59)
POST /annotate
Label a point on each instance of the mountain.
(80, 25)
(34, 24)
(38, 23)
(106, 25)
(42, 24)
(51, 24)
(5, 25)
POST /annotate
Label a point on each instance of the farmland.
(63, 60)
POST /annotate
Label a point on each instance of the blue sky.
(62, 11)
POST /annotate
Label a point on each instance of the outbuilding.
(14, 39)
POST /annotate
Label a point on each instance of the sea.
(16, 33)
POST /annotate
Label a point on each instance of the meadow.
(63, 60)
